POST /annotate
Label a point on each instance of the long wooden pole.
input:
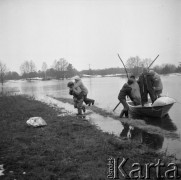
(123, 65)
(127, 74)
(116, 106)
(153, 62)
(127, 77)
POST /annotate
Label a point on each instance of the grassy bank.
(67, 148)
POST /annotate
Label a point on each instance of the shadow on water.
(164, 122)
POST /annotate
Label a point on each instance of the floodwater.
(105, 91)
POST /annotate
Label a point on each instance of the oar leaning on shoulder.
(127, 73)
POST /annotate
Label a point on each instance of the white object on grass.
(1, 170)
(36, 122)
(163, 101)
(129, 132)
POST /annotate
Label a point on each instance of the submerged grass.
(134, 122)
(67, 148)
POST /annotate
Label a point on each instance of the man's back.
(157, 82)
(81, 86)
(135, 90)
(125, 91)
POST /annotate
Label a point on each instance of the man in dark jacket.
(125, 91)
(145, 82)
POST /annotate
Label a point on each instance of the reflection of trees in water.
(54, 87)
(9, 91)
(164, 123)
(154, 141)
(29, 88)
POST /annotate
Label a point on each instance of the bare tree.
(133, 64)
(146, 62)
(32, 66)
(61, 67)
(25, 68)
(3, 70)
(44, 68)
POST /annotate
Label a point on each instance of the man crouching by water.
(78, 97)
(126, 91)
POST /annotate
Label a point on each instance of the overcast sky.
(89, 31)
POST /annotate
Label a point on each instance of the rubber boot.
(122, 113)
(79, 111)
(126, 114)
(83, 108)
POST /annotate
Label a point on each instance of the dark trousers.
(144, 96)
(125, 105)
(87, 100)
(150, 89)
(146, 87)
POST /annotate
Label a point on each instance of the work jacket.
(81, 86)
(135, 92)
(157, 83)
(76, 92)
(125, 91)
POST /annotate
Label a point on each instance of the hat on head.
(145, 70)
(76, 78)
(132, 76)
(152, 72)
(70, 84)
(130, 81)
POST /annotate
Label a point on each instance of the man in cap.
(79, 83)
(125, 91)
(78, 97)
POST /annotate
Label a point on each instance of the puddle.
(68, 108)
(106, 124)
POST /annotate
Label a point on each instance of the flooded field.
(105, 91)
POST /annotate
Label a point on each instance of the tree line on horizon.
(62, 69)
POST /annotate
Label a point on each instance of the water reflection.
(153, 141)
(164, 123)
(30, 88)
